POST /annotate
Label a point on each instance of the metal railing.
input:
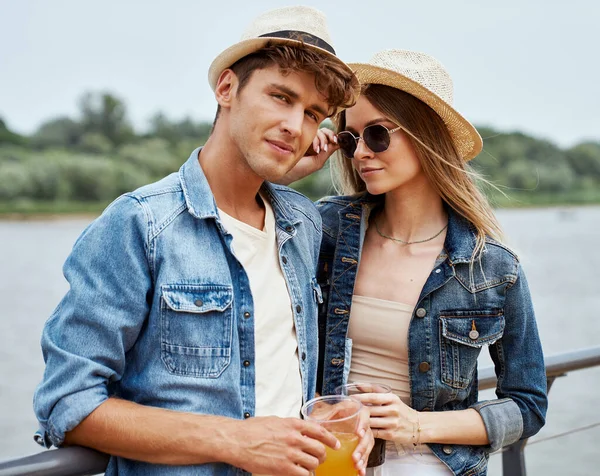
(78, 461)
(513, 456)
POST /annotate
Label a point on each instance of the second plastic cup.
(377, 456)
(338, 414)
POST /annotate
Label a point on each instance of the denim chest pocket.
(196, 329)
(463, 334)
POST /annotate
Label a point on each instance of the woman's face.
(385, 171)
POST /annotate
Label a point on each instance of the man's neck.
(233, 184)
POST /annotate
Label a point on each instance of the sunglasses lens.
(376, 137)
(347, 144)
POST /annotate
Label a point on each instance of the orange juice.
(340, 462)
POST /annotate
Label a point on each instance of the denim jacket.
(160, 312)
(442, 351)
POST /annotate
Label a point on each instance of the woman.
(416, 279)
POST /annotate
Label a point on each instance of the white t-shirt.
(277, 369)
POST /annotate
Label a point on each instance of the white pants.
(402, 461)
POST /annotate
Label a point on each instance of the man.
(191, 317)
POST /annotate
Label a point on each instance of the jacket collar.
(201, 203)
(460, 238)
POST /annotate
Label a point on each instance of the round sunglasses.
(376, 137)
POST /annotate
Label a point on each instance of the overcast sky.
(530, 65)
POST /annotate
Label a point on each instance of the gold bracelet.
(417, 438)
(419, 435)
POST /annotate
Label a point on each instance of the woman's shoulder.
(501, 250)
(499, 262)
(337, 202)
(329, 208)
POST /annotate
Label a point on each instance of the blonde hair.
(451, 177)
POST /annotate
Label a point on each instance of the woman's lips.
(368, 171)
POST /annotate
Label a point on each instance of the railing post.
(513, 459)
(513, 456)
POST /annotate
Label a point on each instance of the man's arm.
(264, 445)
(85, 343)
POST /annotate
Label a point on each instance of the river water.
(558, 248)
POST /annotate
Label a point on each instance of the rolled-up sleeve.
(520, 410)
(85, 340)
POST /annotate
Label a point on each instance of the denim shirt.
(492, 296)
(160, 312)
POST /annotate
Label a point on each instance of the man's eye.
(281, 97)
(312, 115)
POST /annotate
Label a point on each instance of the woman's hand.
(391, 419)
(323, 145)
(365, 444)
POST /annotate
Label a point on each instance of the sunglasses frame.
(389, 131)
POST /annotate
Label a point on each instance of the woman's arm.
(441, 427)
(519, 409)
(393, 420)
(323, 146)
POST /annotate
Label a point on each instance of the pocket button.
(421, 312)
(198, 302)
(447, 449)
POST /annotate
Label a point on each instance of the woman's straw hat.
(425, 78)
(289, 25)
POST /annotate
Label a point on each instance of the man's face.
(274, 119)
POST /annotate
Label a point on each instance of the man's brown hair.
(332, 80)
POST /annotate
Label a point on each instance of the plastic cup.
(377, 455)
(338, 414)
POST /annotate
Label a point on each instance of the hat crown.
(419, 67)
(296, 18)
(426, 79)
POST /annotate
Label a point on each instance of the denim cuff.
(503, 421)
(41, 437)
(69, 412)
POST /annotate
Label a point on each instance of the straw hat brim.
(245, 47)
(466, 138)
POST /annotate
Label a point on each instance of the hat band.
(301, 36)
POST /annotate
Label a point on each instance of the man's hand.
(279, 446)
(323, 146)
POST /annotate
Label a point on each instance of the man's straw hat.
(425, 78)
(288, 25)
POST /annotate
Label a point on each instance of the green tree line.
(82, 163)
